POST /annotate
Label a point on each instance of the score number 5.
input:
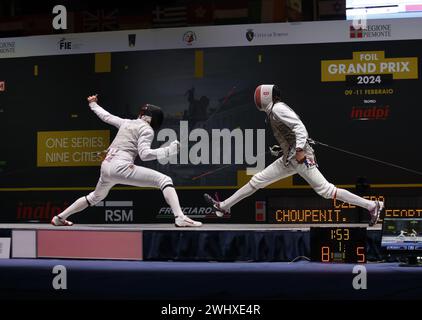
(360, 253)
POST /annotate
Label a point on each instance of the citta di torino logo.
(251, 34)
(117, 211)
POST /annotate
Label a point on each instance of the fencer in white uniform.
(297, 157)
(133, 138)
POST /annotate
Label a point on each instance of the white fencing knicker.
(308, 171)
(118, 168)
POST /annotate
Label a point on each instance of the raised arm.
(104, 115)
(147, 154)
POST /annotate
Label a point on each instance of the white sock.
(239, 195)
(348, 197)
(172, 200)
(77, 206)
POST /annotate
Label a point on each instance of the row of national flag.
(186, 13)
(189, 13)
(220, 12)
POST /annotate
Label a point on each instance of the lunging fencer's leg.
(238, 196)
(327, 190)
(172, 200)
(77, 206)
(222, 208)
(100, 192)
(348, 197)
(374, 207)
(274, 172)
(61, 219)
(145, 177)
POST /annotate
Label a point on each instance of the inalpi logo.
(370, 113)
(42, 210)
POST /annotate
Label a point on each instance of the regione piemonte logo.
(355, 32)
(370, 31)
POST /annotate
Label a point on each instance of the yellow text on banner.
(71, 148)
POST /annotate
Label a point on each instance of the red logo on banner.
(2, 86)
(371, 113)
(42, 211)
(355, 33)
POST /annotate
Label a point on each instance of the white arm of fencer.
(147, 154)
(291, 119)
(106, 116)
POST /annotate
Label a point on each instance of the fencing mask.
(155, 113)
(265, 95)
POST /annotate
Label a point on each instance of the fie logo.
(65, 44)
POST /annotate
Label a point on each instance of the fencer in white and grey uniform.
(297, 157)
(133, 138)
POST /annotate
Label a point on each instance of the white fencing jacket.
(133, 138)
